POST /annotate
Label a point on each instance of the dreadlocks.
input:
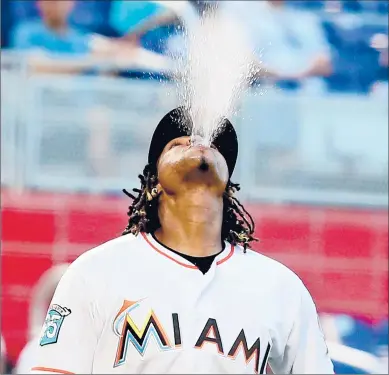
(237, 227)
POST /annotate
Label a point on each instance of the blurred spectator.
(89, 16)
(40, 301)
(148, 23)
(154, 23)
(52, 34)
(289, 43)
(171, 15)
(3, 356)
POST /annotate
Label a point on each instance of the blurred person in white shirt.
(289, 43)
(40, 300)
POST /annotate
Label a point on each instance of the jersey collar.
(162, 250)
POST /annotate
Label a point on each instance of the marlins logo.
(130, 333)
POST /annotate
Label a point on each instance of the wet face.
(182, 165)
(55, 12)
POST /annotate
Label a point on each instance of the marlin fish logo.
(128, 332)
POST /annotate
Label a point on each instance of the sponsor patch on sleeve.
(53, 323)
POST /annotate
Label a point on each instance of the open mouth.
(204, 166)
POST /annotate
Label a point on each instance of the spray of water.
(214, 74)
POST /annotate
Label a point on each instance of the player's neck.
(191, 223)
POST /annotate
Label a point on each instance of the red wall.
(341, 254)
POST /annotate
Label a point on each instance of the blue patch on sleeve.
(52, 325)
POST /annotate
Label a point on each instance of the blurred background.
(83, 85)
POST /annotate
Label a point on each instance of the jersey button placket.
(201, 311)
(202, 283)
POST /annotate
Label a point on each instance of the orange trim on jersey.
(231, 253)
(191, 266)
(48, 369)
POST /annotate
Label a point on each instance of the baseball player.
(180, 291)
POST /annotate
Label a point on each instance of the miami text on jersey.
(129, 333)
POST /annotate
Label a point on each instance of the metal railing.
(91, 133)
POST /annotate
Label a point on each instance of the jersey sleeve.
(70, 332)
(306, 351)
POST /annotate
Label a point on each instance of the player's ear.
(157, 190)
(154, 193)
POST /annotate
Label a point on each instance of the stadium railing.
(91, 134)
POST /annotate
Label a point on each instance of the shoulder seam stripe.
(48, 369)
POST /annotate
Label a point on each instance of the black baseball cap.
(178, 123)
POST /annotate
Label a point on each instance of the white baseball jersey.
(132, 306)
(27, 357)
